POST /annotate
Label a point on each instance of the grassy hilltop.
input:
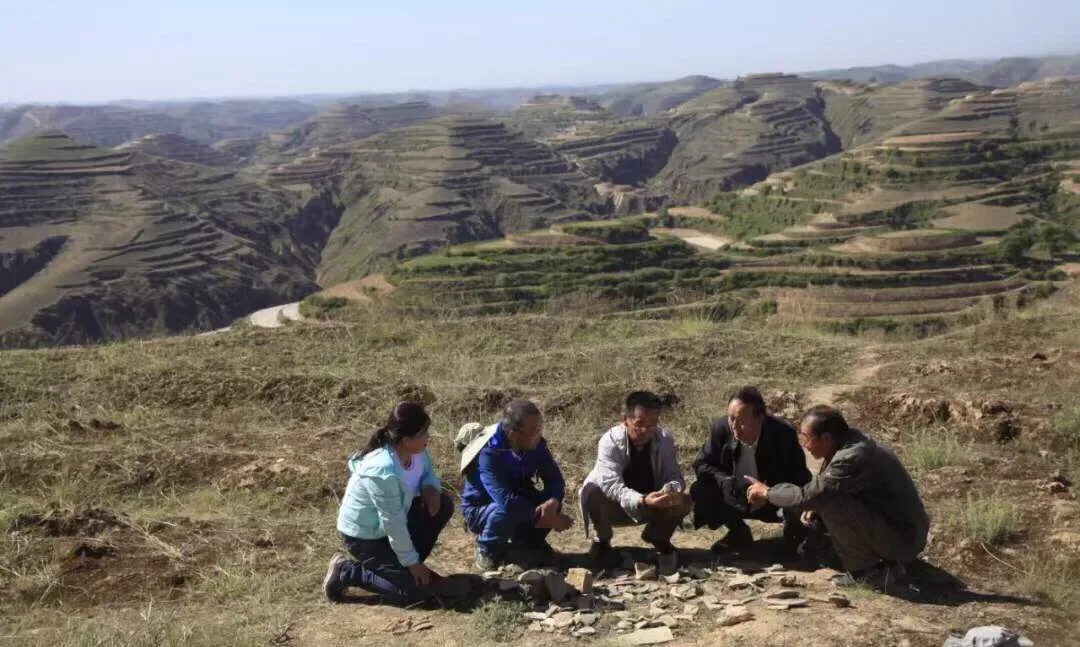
(183, 490)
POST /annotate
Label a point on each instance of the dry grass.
(217, 461)
(989, 519)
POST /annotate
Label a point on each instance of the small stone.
(624, 625)
(784, 594)
(552, 610)
(668, 621)
(740, 582)
(587, 619)
(775, 568)
(784, 605)
(654, 636)
(789, 580)
(643, 571)
(690, 610)
(585, 631)
(536, 626)
(536, 615)
(686, 592)
(512, 570)
(491, 575)
(622, 615)
(735, 615)
(641, 624)
(672, 579)
(580, 579)
(423, 625)
(711, 603)
(562, 620)
(839, 600)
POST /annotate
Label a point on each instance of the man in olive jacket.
(863, 495)
(747, 442)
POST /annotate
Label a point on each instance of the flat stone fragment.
(840, 600)
(668, 620)
(585, 631)
(536, 615)
(654, 636)
(587, 619)
(580, 579)
(536, 626)
(562, 619)
(686, 592)
(624, 625)
(784, 605)
(672, 579)
(735, 615)
(712, 603)
(784, 594)
(789, 580)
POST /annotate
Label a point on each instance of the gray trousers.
(605, 514)
(863, 537)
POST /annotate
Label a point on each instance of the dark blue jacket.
(499, 475)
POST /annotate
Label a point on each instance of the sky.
(101, 50)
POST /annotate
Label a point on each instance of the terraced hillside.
(451, 180)
(100, 244)
(654, 99)
(112, 125)
(181, 149)
(1004, 72)
(345, 122)
(738, 134)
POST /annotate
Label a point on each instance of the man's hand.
(757, 493)
(807, 518)
(562, 522)
(660, 499)
(421, 574)
(432, 499)
(547, 511)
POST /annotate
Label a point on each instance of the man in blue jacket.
(502, 503)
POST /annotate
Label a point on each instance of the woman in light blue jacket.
(392, 513)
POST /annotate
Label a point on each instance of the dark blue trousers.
(375, 566)
(496, 526)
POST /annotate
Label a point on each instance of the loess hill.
(99, 244)
(805, 181)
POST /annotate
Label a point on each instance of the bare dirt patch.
(975, 216)
(697, 238)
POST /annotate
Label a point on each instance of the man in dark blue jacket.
(502, 503)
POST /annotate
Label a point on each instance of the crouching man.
(501, 502)
(747, 442)
(636, 480)
(863, 496)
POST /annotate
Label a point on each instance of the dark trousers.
(863, 537)
(497, 526)
(605, 514)
(375, 566)
(713, 509)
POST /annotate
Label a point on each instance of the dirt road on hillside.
(276, 316)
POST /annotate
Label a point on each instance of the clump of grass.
(929, 449)
(498, 620)
(1053, 579)
(989, 519)
(1067, 426)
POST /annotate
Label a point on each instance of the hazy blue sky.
(92, 50)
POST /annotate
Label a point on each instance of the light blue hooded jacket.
(376, 502)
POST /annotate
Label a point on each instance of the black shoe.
(533, 554)
(602, 555)
(738, 537)
(486, 562)
(878, 578)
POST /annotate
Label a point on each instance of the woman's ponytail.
(406, 420)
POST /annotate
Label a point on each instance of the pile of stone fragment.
(645, 608)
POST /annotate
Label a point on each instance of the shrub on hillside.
(320, 307)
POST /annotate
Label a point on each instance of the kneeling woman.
(392, 513)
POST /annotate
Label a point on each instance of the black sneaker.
(738, 537)
(602, 555)
(332, 585)
(533, 554)
(878, 578)
(486, 562)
